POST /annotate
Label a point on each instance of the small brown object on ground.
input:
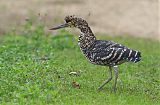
(76, 85)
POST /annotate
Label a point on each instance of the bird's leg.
(116, 77)
(109, 79)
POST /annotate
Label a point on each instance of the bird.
(100, 52)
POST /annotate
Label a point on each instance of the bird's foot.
(99, 88)
(114, 89)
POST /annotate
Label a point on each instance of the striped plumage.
(100, 52)
(110, 53)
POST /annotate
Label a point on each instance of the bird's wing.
(112, 53)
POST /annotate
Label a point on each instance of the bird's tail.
(132, 55)
(135, 56)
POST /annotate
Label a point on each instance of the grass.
(34, 69)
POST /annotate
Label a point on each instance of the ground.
(35, 68)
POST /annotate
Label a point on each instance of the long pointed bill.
(60, 26)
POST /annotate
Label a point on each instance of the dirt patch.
(115, 17)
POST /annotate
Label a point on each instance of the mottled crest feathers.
(75, 21)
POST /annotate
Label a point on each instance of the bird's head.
(71, 21)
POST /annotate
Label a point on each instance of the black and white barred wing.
(122, 53)
(111, 53)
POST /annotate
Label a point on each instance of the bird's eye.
(67, 21)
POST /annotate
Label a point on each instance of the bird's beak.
(59, 26)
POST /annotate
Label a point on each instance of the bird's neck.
(86, 38)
